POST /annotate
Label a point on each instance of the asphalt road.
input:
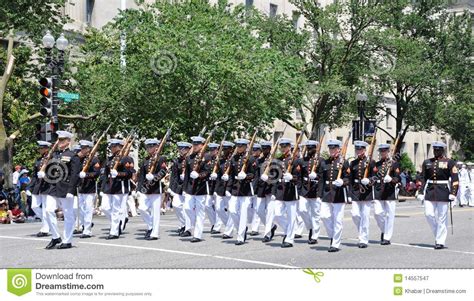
(412, 247)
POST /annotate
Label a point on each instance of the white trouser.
(150, 210)
(271, 217)
(361, 217)
(239, 212)
(437, 216)
(470, 198)
(195, 213)
(210, 211)
(332, 215)
(124, 210)
(463, 194)
(178, 201)
(86, 208)
(255, 223)
(285, 213)
(309, 210)
(77, 214)
(222, 202)
(131, 205)
(106, 206)
(260, 208)
(384, 213)
(116, 203)
(67, 204)
(38, 203)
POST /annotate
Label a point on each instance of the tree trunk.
(5, 145)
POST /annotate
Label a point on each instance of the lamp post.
(55, 64)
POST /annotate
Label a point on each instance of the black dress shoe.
(312, 241)
(125, 223)
(439, 246)
(225, 236)
(77, 231)
(239, 243)
(185, 234)
(253, 233)
(245, 234)
(92, 225)
(272, 232)
(151, 238)
(147, 233)
(385, 242)
(181, 230)
(333, 249)
(195, 239)
(85, 236)
(286, 245)
(41, 234)
(362, 246)
(298, 236)
(120, 228)
(266, 239)
(381, 237)
(215, 232)
(53, 243)
(112, 237)
(65, 246)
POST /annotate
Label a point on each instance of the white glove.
(420, 197)
(82, 175)
(181, 177)
(101, 193)
(69, 196)
(227, 193)
(113, 173)
(149, 177)
(452, 197)
(134, 194)
(387, 179)
(225, 177)
(318, 199)
(41, 174)
(213, 176)
(312, 175)
(264, 177)
(242, 175)
(287, 177)
(338, 182)
(194, 175)
(272, 197)
(28, 193)
(349, 200)
(365, 181)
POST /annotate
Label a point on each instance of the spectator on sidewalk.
(17, 215)
(4, 212)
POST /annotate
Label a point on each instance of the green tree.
(422, 54)
(23, 24)
(188, 65)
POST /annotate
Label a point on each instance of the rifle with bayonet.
(94, 150)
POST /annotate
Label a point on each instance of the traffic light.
(46, 92)
(44, 132)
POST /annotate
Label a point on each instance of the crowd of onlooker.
(15, 205)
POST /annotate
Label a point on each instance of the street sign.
(68, 97)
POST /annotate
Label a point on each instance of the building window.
(248, 3)
(273, 10)
(89, 9)
(387, 118)
(296, 18)
(277, 136)
(415, 152)
(428, 149)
